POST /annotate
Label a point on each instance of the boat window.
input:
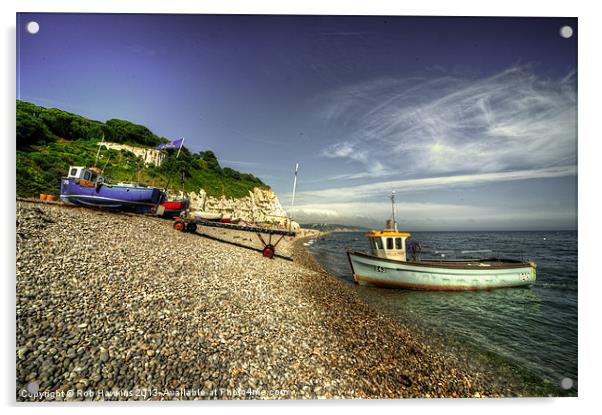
(93, 177)
(389, 243)
(73, 172)
(397, 243)
(87, 175)
(379, 243)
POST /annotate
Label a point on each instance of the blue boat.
(86, 187)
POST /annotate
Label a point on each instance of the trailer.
(184, 224)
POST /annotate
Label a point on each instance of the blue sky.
(472, 121)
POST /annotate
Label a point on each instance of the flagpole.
(293, 200)
(181, 144)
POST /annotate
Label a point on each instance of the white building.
(148, 155)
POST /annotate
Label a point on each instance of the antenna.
(393, 209)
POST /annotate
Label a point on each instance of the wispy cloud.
(514, 120)
(377, 190)
(372, 168)
(439, 216)
(441, 133)
(342, 211)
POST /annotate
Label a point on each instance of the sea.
(532, 331)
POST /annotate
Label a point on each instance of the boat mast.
(105, 166)
(99, 146)
(393, 209)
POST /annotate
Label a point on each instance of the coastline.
(305, 259)
(109, 303)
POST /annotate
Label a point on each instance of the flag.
(177, 144)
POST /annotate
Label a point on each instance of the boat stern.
(67, 189)
(532, 272)
(64, 183)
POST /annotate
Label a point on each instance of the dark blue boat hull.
(131, 198)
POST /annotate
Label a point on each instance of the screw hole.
(566, 383)
(566, 32)
(32, 27)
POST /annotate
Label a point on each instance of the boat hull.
(174, 208)
(444, 275)
(207, 216)
(131, 198)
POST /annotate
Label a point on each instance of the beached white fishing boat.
(388, 266)
(206, 215)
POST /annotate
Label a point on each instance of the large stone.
(104, 356)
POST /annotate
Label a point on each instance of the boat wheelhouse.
(389, 243)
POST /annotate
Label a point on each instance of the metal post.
(290, 222)
(181, 144)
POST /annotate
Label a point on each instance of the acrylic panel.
(295, 207)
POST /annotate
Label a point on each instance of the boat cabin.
(389, 243)
(84, 173)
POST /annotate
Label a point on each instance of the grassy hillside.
(50, 140)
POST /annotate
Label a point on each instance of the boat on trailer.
(86, 186)
(388, 266)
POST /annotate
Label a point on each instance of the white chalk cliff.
(260, 206)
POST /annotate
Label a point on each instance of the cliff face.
(260, 206)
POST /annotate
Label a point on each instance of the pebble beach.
(123, 307)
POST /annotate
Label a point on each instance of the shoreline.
(109, 302)
(302, 257)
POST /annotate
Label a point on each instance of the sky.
(471, 121)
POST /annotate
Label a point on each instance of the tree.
(31, 131)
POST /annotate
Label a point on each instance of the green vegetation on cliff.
(51, 140)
